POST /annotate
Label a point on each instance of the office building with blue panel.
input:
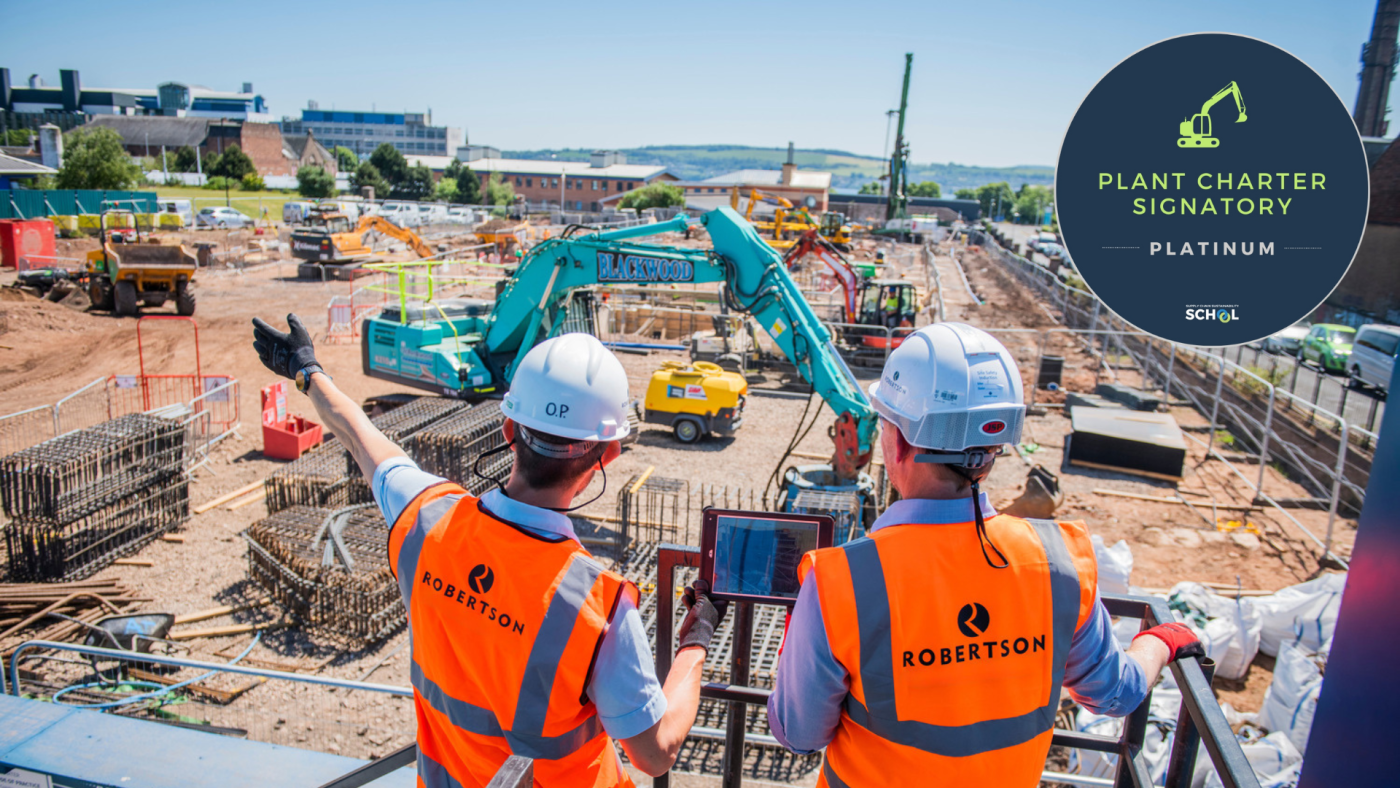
(412, 133)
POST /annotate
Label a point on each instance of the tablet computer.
(754, 556)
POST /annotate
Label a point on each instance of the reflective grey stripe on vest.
(527, 737)
(833, 780)
(879, 715)
(434, 774)
(548, 649)
(428, 515)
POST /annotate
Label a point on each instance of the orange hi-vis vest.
(955, 667)
(505, 625)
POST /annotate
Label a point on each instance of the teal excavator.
(1195, 131)
(471, 348)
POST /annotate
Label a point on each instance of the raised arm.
(292, 355)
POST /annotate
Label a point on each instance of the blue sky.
(994, 83)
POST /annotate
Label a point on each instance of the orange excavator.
(330, 239)
(812, 243)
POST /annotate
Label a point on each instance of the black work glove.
(704, 617)
(284, 353)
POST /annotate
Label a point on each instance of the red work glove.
(1179, 638)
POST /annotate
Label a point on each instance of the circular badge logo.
(1212, 189)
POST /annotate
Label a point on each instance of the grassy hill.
(848, 170)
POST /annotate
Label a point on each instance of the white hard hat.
(950, 387)
(572, 387)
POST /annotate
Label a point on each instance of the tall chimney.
(1377, 70)
(72, 89)
(51, 146)
(6, 98)
(789, 167)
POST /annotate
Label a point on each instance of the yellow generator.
(696, 400)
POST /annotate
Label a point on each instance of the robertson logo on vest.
(974, 621)
(480, 578)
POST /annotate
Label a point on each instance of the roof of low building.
(801, 179)
(156, 131)
(294, 145)
(9, 165)
(579, 169)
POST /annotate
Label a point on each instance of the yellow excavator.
(333, 246)
(1195, 131)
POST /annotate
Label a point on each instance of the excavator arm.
(811, 242)
(1232, 89)
(755, 281)
(380, 224)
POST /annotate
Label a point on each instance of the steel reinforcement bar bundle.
(85, 498)
(327, 475)
(329, 569)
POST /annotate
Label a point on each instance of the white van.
(295, 211)
(404, 214)
(348, 207)
(182, 208)
(1373, 355)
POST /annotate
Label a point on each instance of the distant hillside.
(848, 170)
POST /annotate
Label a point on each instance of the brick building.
(263, 142)
(576, 185)
(302, 150)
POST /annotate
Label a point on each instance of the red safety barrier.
(285, 437)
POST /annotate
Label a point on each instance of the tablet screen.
(759, 556)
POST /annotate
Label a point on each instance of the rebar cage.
(88, 497)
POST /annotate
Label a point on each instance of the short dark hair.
(543, 473)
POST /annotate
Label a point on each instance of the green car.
(1328, 345)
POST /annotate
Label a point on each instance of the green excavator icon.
(1195, 132)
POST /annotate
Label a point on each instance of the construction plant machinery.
(127, 272)
(1195, 131)
(789, 221)
(472, 350)
(696, 399)
(867, 303)
(333, 246)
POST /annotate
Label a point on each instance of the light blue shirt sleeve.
(1099, 675)
(805, 706)
(397, 481)
(624, 686)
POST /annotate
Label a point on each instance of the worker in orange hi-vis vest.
(523, 644)
(932, 651)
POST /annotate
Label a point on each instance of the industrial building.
(171, 99)
(412, 133)
(790, 183)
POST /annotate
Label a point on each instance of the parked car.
(182, 208)
(1373, 355)
(1328, 345)
(221, 217)
(404, 214)
(1287, 341)
(295, 211)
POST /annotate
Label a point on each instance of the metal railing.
(351, 718)
(1200, 720)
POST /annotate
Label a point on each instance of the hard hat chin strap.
(973, 465)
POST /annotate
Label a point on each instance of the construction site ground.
(49, 350)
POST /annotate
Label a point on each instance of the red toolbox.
(26, 243)
(285, 437)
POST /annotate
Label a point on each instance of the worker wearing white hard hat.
(522, 643)
(932, 650)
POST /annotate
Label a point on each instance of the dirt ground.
(50, 350)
